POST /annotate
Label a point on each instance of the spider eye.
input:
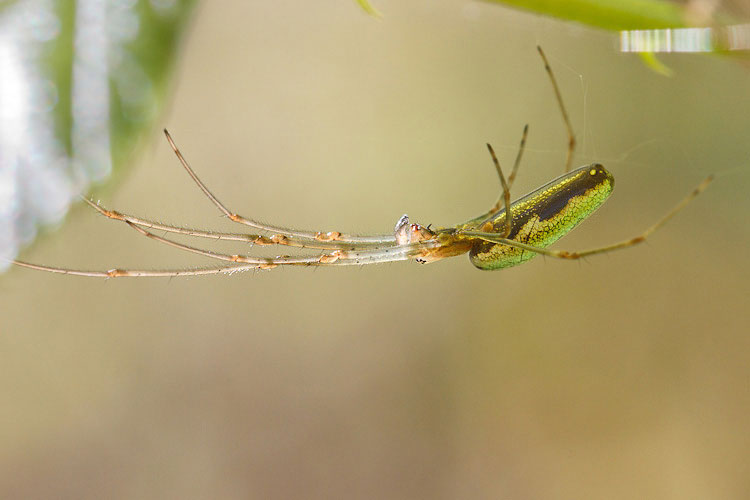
(597, 169)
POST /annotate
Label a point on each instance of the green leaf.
(613, 15)
(650, 60)
(367, 6)
(87, 81)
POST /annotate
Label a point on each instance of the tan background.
(624, 376)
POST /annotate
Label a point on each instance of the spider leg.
(370, 256)
(482, 219)
(338, 257)
(122, 273)
(566, 119)
(289, 233)
(255, 239)
(207, 253)
(563, 254)
(506, 197)
(517, 163)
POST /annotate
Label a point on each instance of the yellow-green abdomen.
(545, 215)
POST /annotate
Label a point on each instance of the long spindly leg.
(519, 155)
(241, 263)
(566, 119)
(512, 177)
(362, 256)
(123, 273)
(289, 233)
(563, 254)
(482, 219)
(255, 239)
(569, 155)
(506, 197)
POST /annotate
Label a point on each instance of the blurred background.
(621, 376)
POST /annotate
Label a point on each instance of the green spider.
(507, 235)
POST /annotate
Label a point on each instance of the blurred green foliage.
(152, 53)
(155, 49)
(367, 6)
(608, 14)
(82, 83)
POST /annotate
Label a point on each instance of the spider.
(506, 235)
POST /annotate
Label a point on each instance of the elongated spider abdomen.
(545, 215)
